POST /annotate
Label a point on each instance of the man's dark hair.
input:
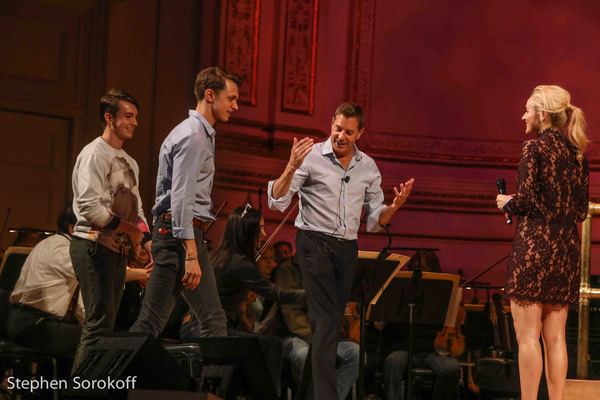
(109, 103)
(351, 110)
(213, 78)
(280, 243)
(67, 217)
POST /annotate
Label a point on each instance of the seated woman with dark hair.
(236, 271)
(237, 276)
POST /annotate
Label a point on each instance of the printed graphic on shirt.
(123, 190)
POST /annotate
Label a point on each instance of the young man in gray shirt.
(111, 226)
(182, 209)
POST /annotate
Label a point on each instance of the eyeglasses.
(247, 208)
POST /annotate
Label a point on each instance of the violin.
(2, 232)
(450, 340)
(352, 322)
(247, 318)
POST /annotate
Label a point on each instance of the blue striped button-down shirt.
(186, 168)
(331, 198)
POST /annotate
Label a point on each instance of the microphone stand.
(485, 271)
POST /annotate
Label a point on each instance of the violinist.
(389, 342)
(235, 269)
(238, 276)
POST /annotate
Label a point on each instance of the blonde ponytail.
(576, 129)
(556, 101)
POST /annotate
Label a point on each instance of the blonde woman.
(551, 197)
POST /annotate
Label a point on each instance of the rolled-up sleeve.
(374, 202)
(89, 180)
(187, 157)
(284, 201)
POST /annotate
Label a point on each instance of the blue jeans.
(295, 351)
(446, 371)
(165, 286)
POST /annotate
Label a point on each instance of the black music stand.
(222, 356)
(403, 300)
(372, 273)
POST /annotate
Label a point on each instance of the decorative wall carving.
(449, 151)
(241, 44)
(455, 151)
(299, 66)
(361, 53)
(435, 195)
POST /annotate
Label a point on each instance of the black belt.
(196, 222)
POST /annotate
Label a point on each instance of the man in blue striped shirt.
(334, 181)
(183, 208)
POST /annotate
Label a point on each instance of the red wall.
(443, 83)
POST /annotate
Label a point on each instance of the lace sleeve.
(527, 177)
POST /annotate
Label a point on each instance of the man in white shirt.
(110, 220)
(44, 294)
(46, 310)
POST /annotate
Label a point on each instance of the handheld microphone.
(346, 179)
(501, 185)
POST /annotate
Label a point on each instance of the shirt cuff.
(279, 204)
(147, 237)
(373, 220)
(507, 208)
(114, 223)
(183, 233)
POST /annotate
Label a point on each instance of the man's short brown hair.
(109, 103)
(213, 78)
(351, 110)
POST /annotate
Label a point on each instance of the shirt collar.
(328, 149)
(209, 129)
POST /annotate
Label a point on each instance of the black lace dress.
(552, 196)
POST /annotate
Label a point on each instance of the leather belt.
(196, 222)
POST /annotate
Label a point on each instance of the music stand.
(372, 273)
(221, 356)
(403, 300)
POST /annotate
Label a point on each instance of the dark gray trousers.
(44, 332)
(328, 267)
(165, 286)
(101, 275)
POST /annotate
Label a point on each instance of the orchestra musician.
(387, 343)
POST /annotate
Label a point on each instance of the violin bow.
(8, 210)
(275, 232)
